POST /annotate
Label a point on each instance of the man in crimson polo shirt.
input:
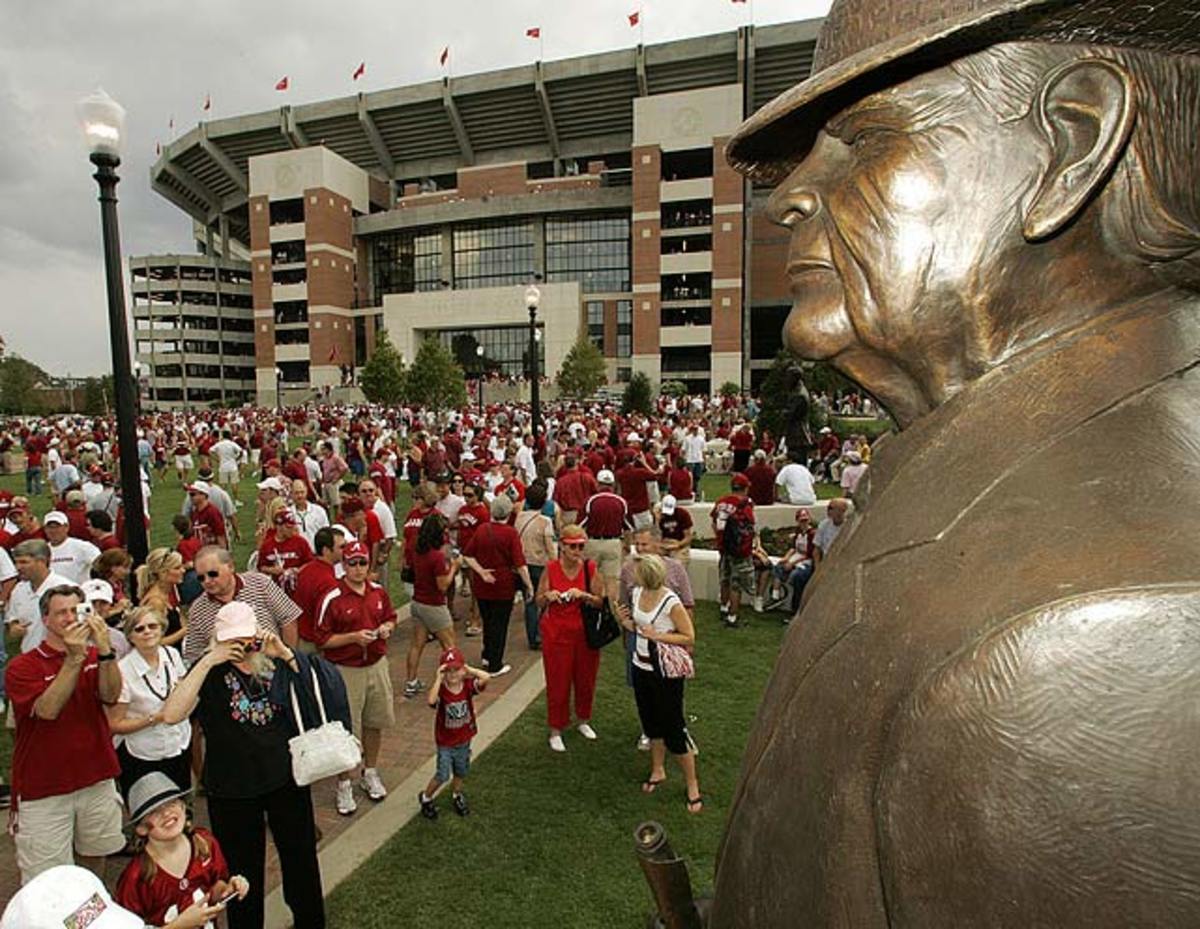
(606, 519)
(762, 480)
(741, 442)
(354, 622)
(315, 580)
(208, 525)
(63, 791)
(681, 484)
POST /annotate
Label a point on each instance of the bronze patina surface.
(988, 711)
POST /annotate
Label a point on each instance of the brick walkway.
(405, 747)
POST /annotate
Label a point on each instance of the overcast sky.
(160, 57)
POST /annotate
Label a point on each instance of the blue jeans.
(33, 481)
(796, 578)
(532, 635)
(453, 760)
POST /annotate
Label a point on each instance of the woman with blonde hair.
(148, 675)
(158, 581)
(661, 662)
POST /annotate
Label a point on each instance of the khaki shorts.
(369, 691)
(607, 554)
(331, 494)
(567, 517)
(51, 831)
(737, 572)
(643, 520)
(433, 618)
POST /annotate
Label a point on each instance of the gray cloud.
(161, 58)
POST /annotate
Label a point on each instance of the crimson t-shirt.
(679, 484)
(455, 722)
(427, 568)
(151, 899)
(290, 553)
(497, 547)
(674, 526)
(58, 756)
(470, 518)
(208, 525)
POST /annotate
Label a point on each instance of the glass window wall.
(405, 262)
(505, 350)
(493, 254)
(593, 250)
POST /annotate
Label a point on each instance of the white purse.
(324, 751)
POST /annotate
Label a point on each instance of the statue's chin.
(818, 329)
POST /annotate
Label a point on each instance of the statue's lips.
(804, 266)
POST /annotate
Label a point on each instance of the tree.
(639, 395)
(18, 378)
(382, 378)
(674, 389)
(583, 371)
(729, 389)
(94, 399)
(435, 380)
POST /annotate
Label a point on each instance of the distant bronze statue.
(988, 712)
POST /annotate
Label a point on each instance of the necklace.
(166, 666)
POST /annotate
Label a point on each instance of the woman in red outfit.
(567, 582)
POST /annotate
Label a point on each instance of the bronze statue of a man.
(988, 712)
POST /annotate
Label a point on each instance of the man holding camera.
(65, 801)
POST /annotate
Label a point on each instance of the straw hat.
(861, 37)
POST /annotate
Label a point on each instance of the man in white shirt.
(70, 558)
(24, 615)
(797, 482)
(525, 462)
(372, 499)
(309, 517)
(693, 453)
(229, 456)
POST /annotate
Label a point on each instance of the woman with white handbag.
(248, 768)
(661, 663)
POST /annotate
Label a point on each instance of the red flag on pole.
(207, 103)
(634, 17)
(534, 33)
(445, 56)
(359, 71)
(333, 353)
(282, 83)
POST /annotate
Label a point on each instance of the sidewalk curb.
(374, 826)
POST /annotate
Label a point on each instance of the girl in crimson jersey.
(178, 877)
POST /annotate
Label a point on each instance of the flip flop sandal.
(695, 804)
(650, 784)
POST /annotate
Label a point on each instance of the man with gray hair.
(24, 616)
(496, 548)
(274, 610)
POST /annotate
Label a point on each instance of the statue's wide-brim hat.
(864, 42)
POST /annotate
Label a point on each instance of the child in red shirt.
(452, 695)
(178, 875)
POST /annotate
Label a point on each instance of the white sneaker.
(758, 603)
(556, 744)
(587, 732)
(372, 785)
(345, 798)
(643, 743)
(503, 670)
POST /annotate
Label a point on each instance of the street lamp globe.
(532, 297)
(537, 335)
(479, 350)
(102, 120)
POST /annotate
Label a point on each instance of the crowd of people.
(132, 684)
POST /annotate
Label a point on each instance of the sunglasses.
(211, 575)
(146, 627)
(576, 545)
(356, 562)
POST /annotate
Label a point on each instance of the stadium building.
(428, 209)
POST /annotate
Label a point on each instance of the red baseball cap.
(355, 549)
(739, 480)
(453, 658)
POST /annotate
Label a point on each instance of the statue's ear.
(1086, 111)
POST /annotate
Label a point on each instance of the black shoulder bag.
(599, 624)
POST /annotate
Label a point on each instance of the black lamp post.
(532, 296)
(103, 122)
(479, 377)
(279, 388)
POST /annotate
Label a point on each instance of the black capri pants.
(660, 708)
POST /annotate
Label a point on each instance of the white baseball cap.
(96, 589)
(633, 437)
(66, 896)
(271, 483)
(200, 487)
(56, 516)
(668, 505)
(605, 477)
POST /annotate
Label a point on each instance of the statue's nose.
(793, 203)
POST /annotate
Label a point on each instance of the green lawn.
(549, 840)
(714, 486)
